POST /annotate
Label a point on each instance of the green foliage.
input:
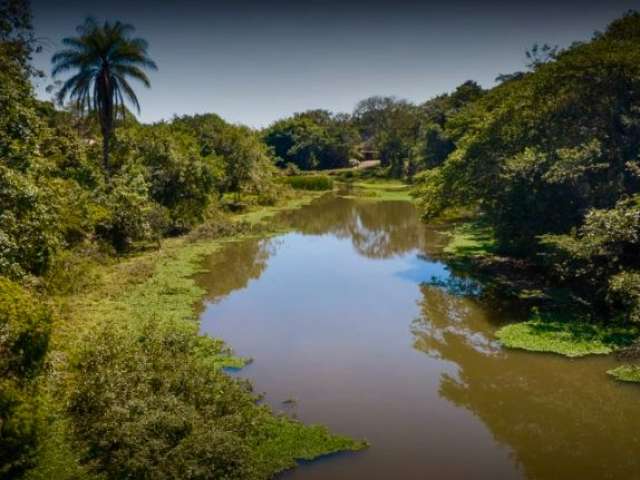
(434, 147)
(626, 373)
(29, 229)
(146, 368)
(540, 150)
(313, 140)
(310, 182)
(471, 239)
(390, 126)
(245, 164)
(104, 57)
(177, 416)
(436, 139)
(179, 177)
(281, 442)
(550, 157)
(130, 355)
(381, 189)
(24, 337)
(129, 214)
(25, 330)
(19, 126)
(570, 337)
(601, 260)
(624, 293)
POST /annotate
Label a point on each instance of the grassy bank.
(128, 365)
(569, 338)
(470, 239)
(555, 324)
(377, 189)
(309, 182)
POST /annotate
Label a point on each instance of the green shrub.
(600, 259)
(24, 337)
(310, 182)
(74, 271)
(129, 215)
(145, 407)
(624, 292)
(179, 178)
(29, 232)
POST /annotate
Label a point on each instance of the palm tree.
(103, 57)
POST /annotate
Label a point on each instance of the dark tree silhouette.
(103, 57)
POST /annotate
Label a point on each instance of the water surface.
(345, 330)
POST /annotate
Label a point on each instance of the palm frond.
(128, 92)
(133, 72)
(103, 57)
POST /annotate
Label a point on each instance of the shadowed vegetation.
(471, 239)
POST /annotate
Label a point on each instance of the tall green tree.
(103, 58)
(314, 139)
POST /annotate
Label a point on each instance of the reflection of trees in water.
(235, 265)
(560, 420)
(376, 229)
(458, 284)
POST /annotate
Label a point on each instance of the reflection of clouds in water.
(454, 285)
(424, 271)
(421, 269)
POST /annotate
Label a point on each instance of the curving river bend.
(345, 330)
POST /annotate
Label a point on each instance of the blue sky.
(253, 62)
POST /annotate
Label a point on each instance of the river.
(350, 323)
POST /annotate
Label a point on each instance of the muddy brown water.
(338, 317)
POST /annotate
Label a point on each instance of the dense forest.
(547, 161)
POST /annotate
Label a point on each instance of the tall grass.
(310, 182)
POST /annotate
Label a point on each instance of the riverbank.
(350, 325)
(127, 364)
(553, 325)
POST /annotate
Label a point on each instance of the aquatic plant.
(571, 337)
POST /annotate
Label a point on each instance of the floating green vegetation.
(256, 215)
(626, 373)
(571, 338)
(136, 357)
(385, 190)
(471, 239)
(288, 441)
(310, 182)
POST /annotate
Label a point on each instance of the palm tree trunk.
(106, 137)
(105, 89)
